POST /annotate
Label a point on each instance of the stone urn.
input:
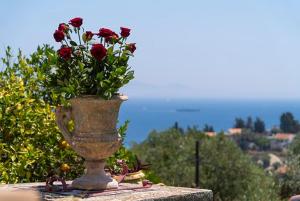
(94, 137)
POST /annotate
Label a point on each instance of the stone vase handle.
(63, 116)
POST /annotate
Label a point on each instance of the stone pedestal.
(125, 192)
(95, 177)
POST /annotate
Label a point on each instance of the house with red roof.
(280, 141)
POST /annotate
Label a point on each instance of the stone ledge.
(127, 192)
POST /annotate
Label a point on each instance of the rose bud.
(125, 32)
(112, 39)
(76, 22)
(65, 52)
(87, 36)
(98, 51)
(131, 47)
(103, 32)
(58, 35)
(63, 27)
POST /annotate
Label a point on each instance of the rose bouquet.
(94, 64)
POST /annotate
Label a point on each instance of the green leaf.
(81, 66)
(13, 158)
(73, 43)
(110, 50)
(100, 76)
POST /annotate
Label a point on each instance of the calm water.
(146, 115)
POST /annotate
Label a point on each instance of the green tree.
(177, 127)
(288, 124)
(259, 126)
(239, 123)
(249, 123)
(247, 137)
(208, 128)
(224, 168)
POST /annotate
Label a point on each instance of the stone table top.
(126, 192)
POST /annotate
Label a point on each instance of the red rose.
(125, 32)
(65, 52)
(131, 47)
(89, 35)
(103, 32)
(63, 27)
(98, 51)
(76, 22)
(58, 35)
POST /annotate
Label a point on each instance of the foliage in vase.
(94, 64)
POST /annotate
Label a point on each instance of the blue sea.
(148, 115)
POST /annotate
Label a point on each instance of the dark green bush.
(224, 168)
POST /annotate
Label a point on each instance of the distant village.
(278, 141)
(267, 148)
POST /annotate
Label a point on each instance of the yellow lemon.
(65, 167)
(19, 106)
(64, 144)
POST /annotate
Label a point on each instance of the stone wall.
(126, 192)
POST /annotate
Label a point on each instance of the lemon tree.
(31, 146)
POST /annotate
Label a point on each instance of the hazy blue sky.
(186, 49)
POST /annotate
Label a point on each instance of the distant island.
(187, 110)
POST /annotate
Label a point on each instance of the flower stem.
(79, 36)
(66, 42)
(120, 50)
(80, 44)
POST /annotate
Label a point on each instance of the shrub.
(290, 181)
(31, 146)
